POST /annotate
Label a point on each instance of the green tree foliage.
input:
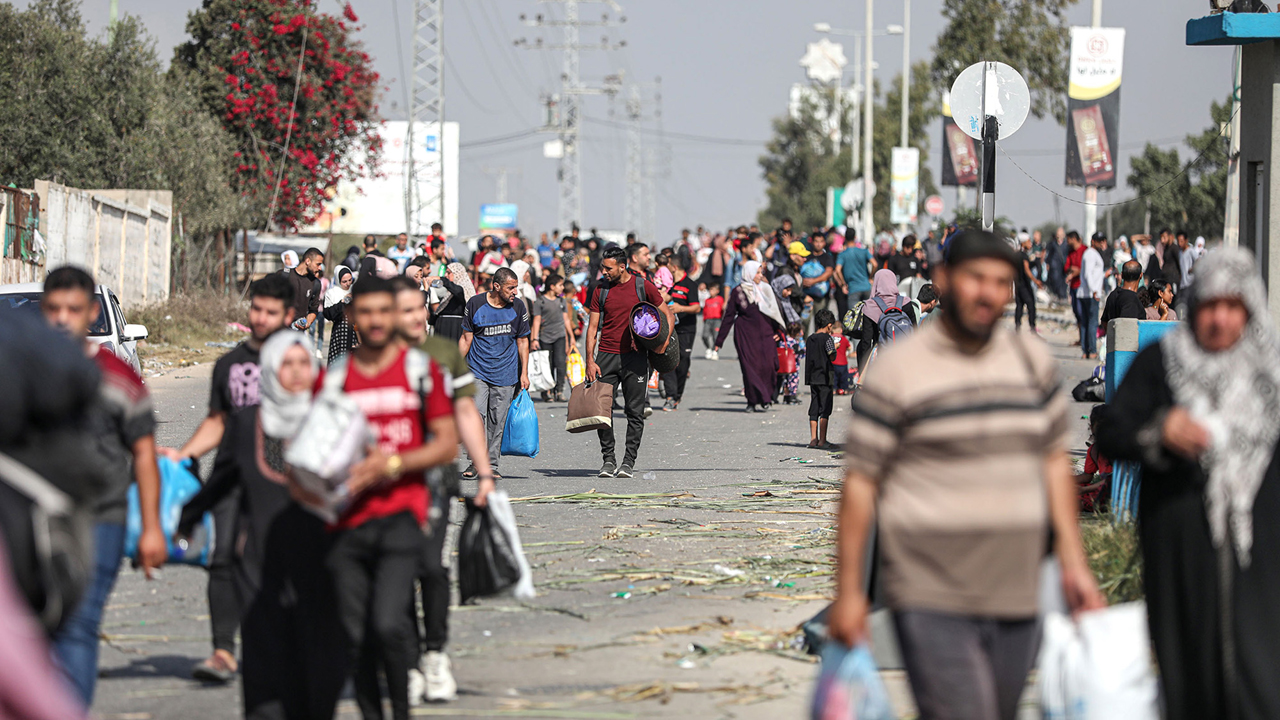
(1194, 200)
(801, 162)
(251, 61)
(97, 114)
(1029, 35)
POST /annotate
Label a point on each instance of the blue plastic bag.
(178, 484)
(520, 434)
(849, 686)
(812, 269)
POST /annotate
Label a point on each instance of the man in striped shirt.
(958, 445)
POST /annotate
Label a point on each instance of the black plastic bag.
(1091, 390)
(487, 563)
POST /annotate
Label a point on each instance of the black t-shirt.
(904, 266)
(685, 292)
(1122, 303)
(1023, 277)
(819, 359)
(235, 380)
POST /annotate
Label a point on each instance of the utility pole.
(633, 205)
(572, 89)
(868, 216)
(1091, 191)
(855, 142)
(906, 72)
(1231, 228)
(500, 175)
(424, 190)
(112, 15)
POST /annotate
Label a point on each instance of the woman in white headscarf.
(524, 290)
(753, 313)
(342, 337)
(1201, 411)
(446, 317)
(293, 649)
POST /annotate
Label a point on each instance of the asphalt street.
(673, 594)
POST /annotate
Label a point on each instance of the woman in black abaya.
(1201, 412)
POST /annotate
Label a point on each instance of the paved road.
(677, 606)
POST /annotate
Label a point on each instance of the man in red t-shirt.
(379, 543)
(619, 360)
(1075, 260)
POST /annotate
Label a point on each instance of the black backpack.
(50, 468)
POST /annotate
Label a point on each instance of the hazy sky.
(726, 68)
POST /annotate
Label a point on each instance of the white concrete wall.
(122, 237)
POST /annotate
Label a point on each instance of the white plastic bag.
(500, 510)
(333, 438)
(1099, 668)
(540, 377)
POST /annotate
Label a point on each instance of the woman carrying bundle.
(753, 309)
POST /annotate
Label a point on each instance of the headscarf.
(780, 283)
(282, 411)
(335, 294)
(884, 286)
(290, 259)
(457, 273)
(759, 293)
(523, 290)
(1234, 394)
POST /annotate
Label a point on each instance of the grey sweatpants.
(493, 401)
(964, 667)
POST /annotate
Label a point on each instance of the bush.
(1114, 556)
(191, 320)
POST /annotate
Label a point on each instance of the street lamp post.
(860, 143)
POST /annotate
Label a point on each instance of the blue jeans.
(1088, 325)
(76, 645)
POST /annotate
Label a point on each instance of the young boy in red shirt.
(841, 361)
(712, 313)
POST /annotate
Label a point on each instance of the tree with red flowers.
(295, 90)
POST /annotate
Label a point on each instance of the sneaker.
(625, 471)
(608, 470)
(669, 405)
(715, 354)
(417, 687)
(648, 411)
(706, 355)
(441, 686)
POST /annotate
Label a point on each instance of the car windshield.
(30, 302)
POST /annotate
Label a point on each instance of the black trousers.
(434, 579)
(674, 381)
(629, 373)
(1024, 295)
(295, 654)
(373, 568)
(557, 349)
(224, 602)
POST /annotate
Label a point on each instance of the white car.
(110, 330)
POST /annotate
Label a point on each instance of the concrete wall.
(122, 237)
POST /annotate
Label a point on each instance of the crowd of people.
(1084, 275)
(432, 348)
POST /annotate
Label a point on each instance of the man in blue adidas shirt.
(495, 339)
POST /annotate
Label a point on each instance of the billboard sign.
(904, 204)
(959, 152)
(499, 216)
(1093, 105)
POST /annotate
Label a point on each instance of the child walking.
(712, 312)
(790, 381)
(819, 372)
(841, 362)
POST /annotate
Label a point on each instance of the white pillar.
(868, 217)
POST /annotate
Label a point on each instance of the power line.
(679, 135)
(1050, 152)
(488, 63)
(1185, 168)
(499, 139)
(457, 77)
